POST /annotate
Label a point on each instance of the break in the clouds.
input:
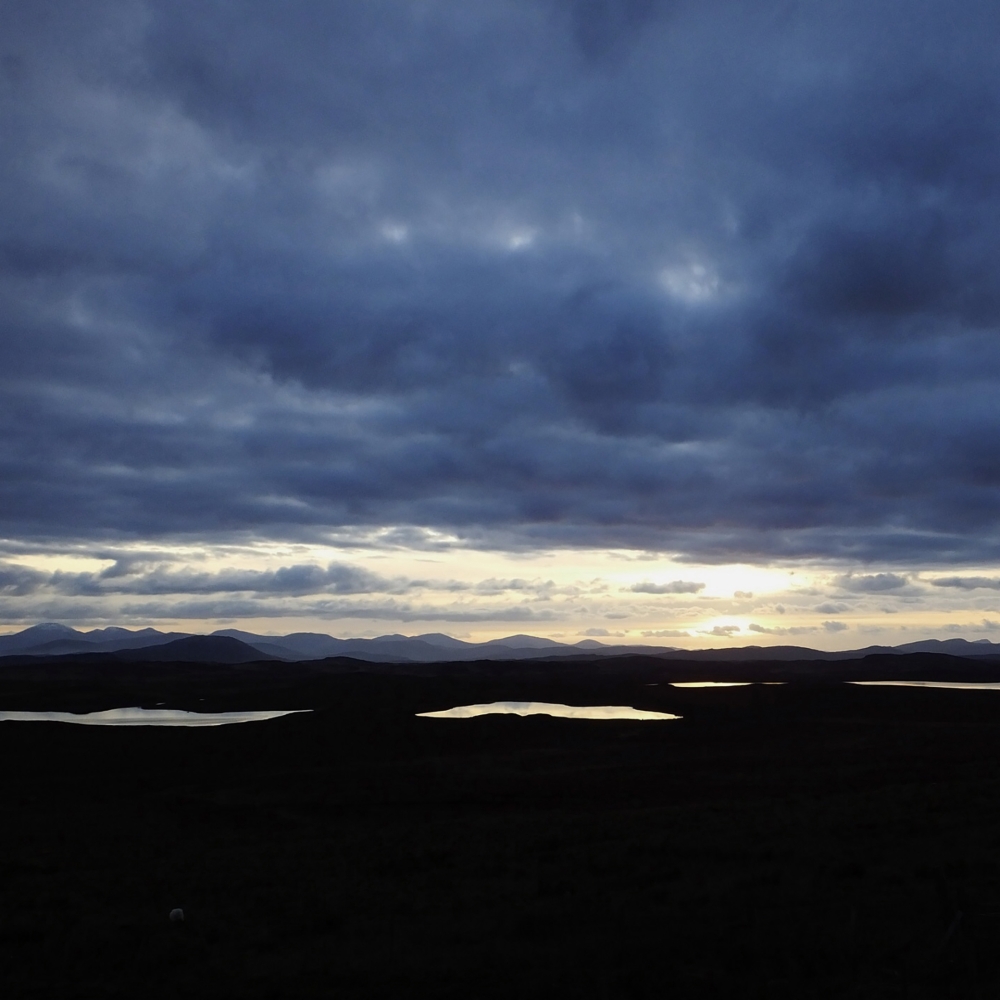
(711, 279)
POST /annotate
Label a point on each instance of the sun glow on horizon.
(377, 584)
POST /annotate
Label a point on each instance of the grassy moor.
(807, 839)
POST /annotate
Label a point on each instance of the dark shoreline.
(810, 839)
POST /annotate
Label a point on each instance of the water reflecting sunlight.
(146, 717)
(546, 708)
(956, 685)
(710, 684)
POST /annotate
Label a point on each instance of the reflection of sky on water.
(545, 708)
(709, 684)
(957, 685)
(724, 684)
(145, 717)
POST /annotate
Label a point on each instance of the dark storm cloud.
(18, 581)
(715, 278)
(602, 28)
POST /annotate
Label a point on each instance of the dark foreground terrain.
(808, 840)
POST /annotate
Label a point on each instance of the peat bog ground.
(811, 839)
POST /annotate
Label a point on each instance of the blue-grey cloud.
(726, 631)
(401, 611)
(293, 580)
(715, 279)
(18, 581)
(146, 576)
(874, 583)
(674, 587)
(985, 625)
(967, 582)
(793, 630)
(831, 608)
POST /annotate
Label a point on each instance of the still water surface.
(956, 685)
(546, 708)
(145, 717)
(710, 684)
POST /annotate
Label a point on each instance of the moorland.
(805, 839)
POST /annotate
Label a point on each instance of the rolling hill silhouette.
(237, 646)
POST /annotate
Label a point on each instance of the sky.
(667, 321)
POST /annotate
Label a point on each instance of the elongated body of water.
(710, 684)
(145, 717)
(546, 708)
(956, 685)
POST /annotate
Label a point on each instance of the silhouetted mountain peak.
(445, 641)
(237, 646)
(37, 635)
(199, 649)
(523, 642)
(49, 630)
(117, 632)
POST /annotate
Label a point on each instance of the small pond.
(955, 685)
(546, 708)
(725, 684)
(145, 717)
(710, 684)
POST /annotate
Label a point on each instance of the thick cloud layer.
(713, 278)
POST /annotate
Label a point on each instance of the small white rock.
(176, 915)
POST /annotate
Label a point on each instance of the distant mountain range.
(236, 646)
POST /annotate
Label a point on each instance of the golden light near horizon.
(721, 581)
(375, 583)
(49, 562)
